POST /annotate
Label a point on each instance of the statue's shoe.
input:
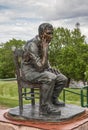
(50, 111)
(58, 103)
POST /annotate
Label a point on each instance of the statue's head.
(45, 31)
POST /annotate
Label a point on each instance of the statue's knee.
(65, 81)
(50, 77)
(53, 77)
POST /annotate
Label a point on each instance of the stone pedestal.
(77, 122)
(5, 126)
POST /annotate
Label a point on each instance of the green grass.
(9, 95)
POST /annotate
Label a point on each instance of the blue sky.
(20, 18)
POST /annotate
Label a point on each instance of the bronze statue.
(36, 69)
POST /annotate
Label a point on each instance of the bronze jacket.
(31, 62)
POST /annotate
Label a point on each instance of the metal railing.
(8, 79)
(81, 94)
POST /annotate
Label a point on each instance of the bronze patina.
(36, 68)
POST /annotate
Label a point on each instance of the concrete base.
(77, 123)
(5, 126)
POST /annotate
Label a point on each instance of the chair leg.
(32, 97)
(40, 99)
(25, 92)
(20, 101)
(64, 95)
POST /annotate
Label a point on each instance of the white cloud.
(20, 19)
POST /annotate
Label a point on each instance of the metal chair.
(23, 84)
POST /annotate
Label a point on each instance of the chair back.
(23, 83)
(18, 53)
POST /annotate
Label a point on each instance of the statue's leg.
(46, 95)
(61, 82)
(48, 82)
(47, 79)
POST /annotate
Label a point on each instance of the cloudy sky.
(20, 19)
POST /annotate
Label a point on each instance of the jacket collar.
(38, 40)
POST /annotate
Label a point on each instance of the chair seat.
(28, 84)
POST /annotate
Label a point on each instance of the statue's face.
(47, 34)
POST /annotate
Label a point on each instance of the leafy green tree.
(68, 52)
(7, 69)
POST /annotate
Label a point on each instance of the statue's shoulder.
(33, 40)
(30, 44)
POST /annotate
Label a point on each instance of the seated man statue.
(35, 67)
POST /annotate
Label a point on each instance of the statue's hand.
(45, 44)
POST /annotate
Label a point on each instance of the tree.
(68, 52)
(7, 69)
(86, 74)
